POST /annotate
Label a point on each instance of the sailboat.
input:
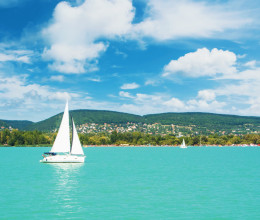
(62, 151)
(183, 145)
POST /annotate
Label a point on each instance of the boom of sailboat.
(62, 151)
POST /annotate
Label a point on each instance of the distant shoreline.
(92, 146)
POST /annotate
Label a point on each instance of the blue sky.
(132, 56)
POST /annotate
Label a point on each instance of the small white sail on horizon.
(62, 151)
(183, 145)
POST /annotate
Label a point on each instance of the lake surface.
(132, 183)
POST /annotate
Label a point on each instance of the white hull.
(63, 159)
(183, 146)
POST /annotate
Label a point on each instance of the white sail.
(62, 141)
(183, 145)
(76, 147)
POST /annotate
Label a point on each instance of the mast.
(72, 134)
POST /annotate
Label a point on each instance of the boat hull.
(63, 159)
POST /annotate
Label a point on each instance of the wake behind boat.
(62, 151)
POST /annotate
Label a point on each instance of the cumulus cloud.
(74, 33)
(239, 88)
(130, 86)
(78, 35)
(172, 19)
(175, 103)
(207, 106)
(202, 62)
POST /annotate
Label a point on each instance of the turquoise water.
(132, 183)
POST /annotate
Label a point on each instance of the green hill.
(3, 124)
(200, 120)
(19, 124)
(86, 116)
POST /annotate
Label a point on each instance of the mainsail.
(62, 141)
(76, 147)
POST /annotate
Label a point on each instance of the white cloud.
(207, 95)
(254, 108)
(22, 56)
(58, 78)
(202, 63)
(78, 35)
(75, 32)
(17, 87)
(239, 89)
(239, 56)
(172, 19)
(251, 64)
(123, 54)
(130, 86)
(141, 98)
(207, 106)
(175, 103)
(250, 74)
(157, 103)
(95, 79)
(24, 100)
(152, 82)
(125, 94)
(247, 88)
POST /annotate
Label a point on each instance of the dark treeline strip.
(19, 138)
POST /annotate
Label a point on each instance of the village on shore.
(141, 135)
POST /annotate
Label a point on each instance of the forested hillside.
(86, 116)
(19, 124)
(200, 121)
(209, 120)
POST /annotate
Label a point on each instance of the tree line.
(32, 138)
(19, 138)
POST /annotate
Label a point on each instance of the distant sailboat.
(183, 145)
(62, 151)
